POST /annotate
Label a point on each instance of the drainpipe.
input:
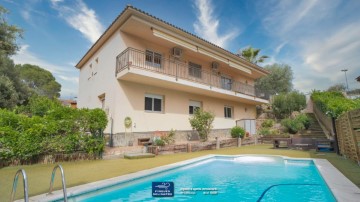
(335, 136)
(111, 131)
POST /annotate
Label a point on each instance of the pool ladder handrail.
(26, 195)
(62, 179)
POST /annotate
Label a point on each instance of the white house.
(157, 74)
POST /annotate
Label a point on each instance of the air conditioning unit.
(177, 52)
(215, 66)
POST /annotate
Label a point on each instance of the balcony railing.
(152, 62)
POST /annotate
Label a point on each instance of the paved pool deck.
(342, 188)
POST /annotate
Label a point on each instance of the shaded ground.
(88, 171)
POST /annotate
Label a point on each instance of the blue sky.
(317, 38)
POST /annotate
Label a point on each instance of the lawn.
(89, 171)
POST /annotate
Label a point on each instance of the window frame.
(226, 115)
(195, 70)
(195, 104)
(153, 97)
(154, 57)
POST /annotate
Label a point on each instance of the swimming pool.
(226, 178)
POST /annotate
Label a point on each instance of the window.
(153, 103)
(153, 59)
(226, 83)
(228, 112)
(194, 70)
(194, 105)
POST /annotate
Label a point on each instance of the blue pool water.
(248, 178)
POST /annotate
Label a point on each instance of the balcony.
(156, 66)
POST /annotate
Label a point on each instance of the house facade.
(157, 74)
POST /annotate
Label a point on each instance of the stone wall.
(184, 136)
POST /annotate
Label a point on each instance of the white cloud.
(207, 25)
(321, 39)
(70, 79)
(63, 74)
(81, 18)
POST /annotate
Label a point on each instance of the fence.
(348, 134)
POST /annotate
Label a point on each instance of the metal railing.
(26, 195)
(138, 59)
(62, 179)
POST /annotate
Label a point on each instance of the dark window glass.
(227, 112)
(149, 56)
(191, 110)
(157, 105)
(148, 103)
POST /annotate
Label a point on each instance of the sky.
(317, 38)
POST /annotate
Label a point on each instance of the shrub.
(159, 142)
(268, 123)
(284, 104)
(305, 120)
(333, 104)
(264, 131)
(237, 132)
(169, 138)
(202, 121)
(292, 125)
(48, 129)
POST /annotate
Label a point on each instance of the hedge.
(30, 131)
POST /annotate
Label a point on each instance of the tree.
(285, 104)
(8, 70)
(202, 123)
(8, 94)
(8, 35)
(252, 55)
(337, 88)
(41, 81)
(278, 81)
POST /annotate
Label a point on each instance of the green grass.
(89, 171)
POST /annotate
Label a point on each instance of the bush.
(284, 104)
(159, 142)
(264, 131)
(237, 132)
(48, 129)
(305, 120)
(169, 138)
(333, 104)
(268, 123)
(292, 125)
(202, 121)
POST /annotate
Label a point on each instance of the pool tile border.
(342, 188)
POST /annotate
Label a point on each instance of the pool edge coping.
(341, 187)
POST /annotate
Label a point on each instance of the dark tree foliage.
(278, 81)
(39, 80)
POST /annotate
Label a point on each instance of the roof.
(129, 7)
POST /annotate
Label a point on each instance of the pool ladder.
(26, 192)
(62, 179)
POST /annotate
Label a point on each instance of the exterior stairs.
(314, 131)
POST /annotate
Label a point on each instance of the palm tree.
(251, 54)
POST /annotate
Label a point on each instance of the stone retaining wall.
(129, 139)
